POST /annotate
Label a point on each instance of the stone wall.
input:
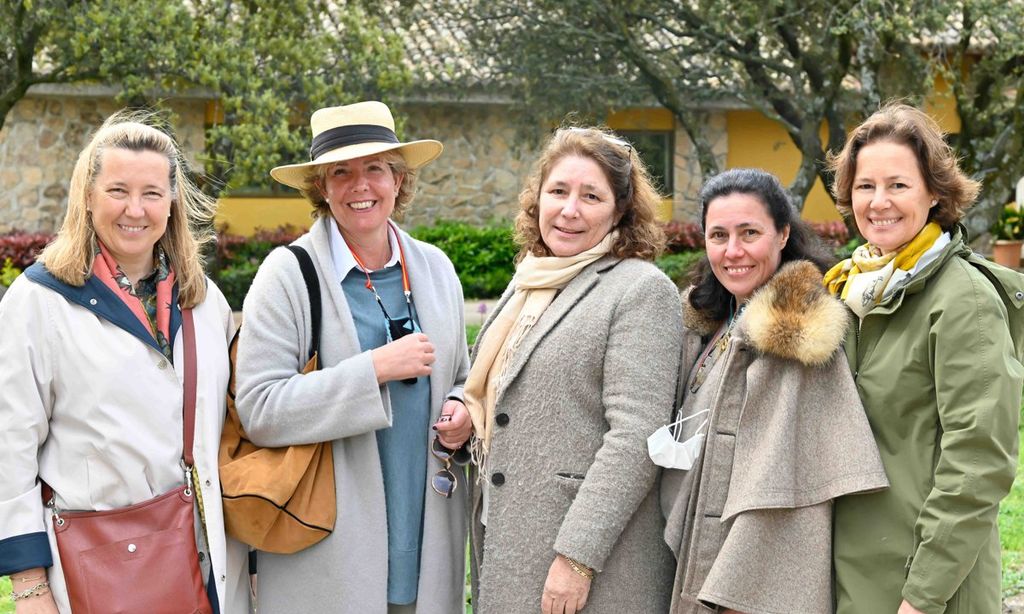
(477, 179)
(482, 169)
(688, 178)
(40, 142)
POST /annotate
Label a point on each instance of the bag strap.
(313, 287)
(188, 410)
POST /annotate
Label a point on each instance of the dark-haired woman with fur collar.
(770, 429)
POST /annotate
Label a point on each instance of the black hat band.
(343, 136)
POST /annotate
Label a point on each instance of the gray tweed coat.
(347, 572)
(568, 460)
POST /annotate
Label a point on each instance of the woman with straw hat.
(393, 360)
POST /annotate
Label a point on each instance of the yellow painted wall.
(242, 216)
(756, 141)
(941, 105)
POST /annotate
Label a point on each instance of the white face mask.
(666, 451)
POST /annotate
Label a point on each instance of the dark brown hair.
(906, 125)
(640, 235)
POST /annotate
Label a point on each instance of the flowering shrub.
(237, 258)
(683, 237)
(22, 247)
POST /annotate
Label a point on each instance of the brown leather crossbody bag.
(140, 558)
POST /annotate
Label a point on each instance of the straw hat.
(353, 131)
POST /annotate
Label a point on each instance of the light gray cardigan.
(342, 402)
(594, 377)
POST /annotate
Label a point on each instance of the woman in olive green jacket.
(937, 361)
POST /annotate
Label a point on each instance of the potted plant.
(1008, 231)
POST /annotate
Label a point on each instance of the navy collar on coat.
(95, 296)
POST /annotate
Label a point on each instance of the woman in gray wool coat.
(569, 378)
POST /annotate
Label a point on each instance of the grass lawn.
(472, 330)
(1011, 531)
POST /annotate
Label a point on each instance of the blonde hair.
(312, 187)
(70, 257)
(636, 199)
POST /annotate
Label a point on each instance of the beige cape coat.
(751, 522)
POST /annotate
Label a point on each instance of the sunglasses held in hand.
(444, 481)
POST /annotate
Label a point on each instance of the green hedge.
(483, 256)
(677, 266)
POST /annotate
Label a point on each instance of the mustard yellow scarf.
(862, 281)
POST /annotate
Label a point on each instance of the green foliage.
(678, 266)
(237, 258)
(483, 256)
(110, 41)
(8, 273)
(1011, 530)
(269, 64)
(817, 67)
(472, 330)
(1009, 226)
(6, 605)
(234, 282)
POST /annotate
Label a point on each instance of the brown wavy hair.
(636, 199)
(313, 185)
(906, 125)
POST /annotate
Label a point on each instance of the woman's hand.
(565, 591)
(906, 608)
(408, 357)
(454, 426)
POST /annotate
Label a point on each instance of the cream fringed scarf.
(536, 281)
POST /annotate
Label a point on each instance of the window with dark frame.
(656, 148)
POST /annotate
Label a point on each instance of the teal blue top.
(403, 447)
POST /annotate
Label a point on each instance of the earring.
(935, 201)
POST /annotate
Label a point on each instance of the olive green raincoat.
(940, 377)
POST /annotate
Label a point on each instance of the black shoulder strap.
(313, 287)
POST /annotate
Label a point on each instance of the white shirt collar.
(342, 256)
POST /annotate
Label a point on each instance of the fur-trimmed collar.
(791, 316)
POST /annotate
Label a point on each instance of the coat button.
(501, 419)
(202, 556)
(497, 478)
(208, 483)
(92, 301)
(1019, 295)
(161, 365)
(132, 548)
